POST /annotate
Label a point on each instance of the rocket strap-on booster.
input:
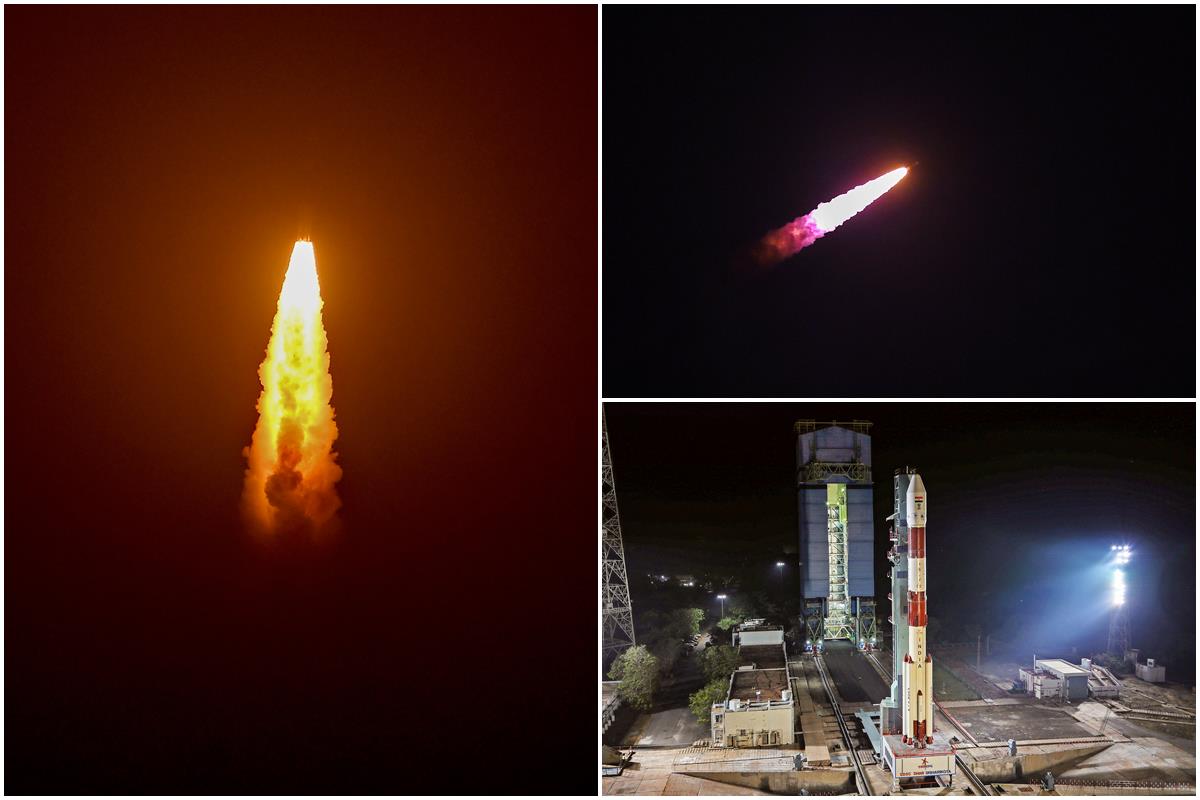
(917, 727)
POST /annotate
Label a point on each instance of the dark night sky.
(1043, 246)
(159, 165)
(1024, 501)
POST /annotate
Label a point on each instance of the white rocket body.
(917, 720)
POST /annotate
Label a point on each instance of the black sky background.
(1046, 235)
(1024, 502)
(160, 163)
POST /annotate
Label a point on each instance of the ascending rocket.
(917, 726)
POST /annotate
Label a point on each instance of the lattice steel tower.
(1118, 632)
(617, 610)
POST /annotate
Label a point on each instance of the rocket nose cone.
(915, 501)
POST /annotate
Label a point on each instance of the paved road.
(673, 727)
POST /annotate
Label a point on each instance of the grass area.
(948, 686)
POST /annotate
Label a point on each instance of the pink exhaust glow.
(803, 231)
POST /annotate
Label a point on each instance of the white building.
(1151, 672)
(756, 632)
(758, 710)
(1055, 678)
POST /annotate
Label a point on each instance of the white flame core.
(301, 290)
(833, 213)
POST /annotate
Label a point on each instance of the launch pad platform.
(908, 762)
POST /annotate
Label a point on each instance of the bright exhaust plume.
(292, 468)
(803, 231)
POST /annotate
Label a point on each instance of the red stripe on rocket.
(917, 725)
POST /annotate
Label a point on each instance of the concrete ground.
(1142, 759)
(1102, 718)
(999, 722)
(673, 785)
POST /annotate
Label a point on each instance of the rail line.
(864, 786)
(885, 674)
(1118, 784)
(977, 785)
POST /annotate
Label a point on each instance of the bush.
(701, 702)
(717, 662)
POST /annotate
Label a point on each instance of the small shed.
(1151, 672)
(1074, 678)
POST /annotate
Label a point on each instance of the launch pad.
(910, 764)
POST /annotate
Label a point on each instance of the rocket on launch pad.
(917, 751)
(918, 663)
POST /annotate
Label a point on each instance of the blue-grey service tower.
(891, 707)
(837, 539)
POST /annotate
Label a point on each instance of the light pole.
(721, 597)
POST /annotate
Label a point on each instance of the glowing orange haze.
(292, 467)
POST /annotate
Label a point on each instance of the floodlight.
(1118, 587)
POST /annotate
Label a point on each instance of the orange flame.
(292, 468)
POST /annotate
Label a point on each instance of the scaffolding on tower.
(833, 493)
(838, 622)
(617, 609)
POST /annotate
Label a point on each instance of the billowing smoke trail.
(803, 231)
(292, 468)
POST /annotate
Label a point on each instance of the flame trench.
(803, 231)
(292, 468)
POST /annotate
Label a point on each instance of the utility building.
(1055, 678)
(1151, 673)
(837, 550)
(758, 710)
